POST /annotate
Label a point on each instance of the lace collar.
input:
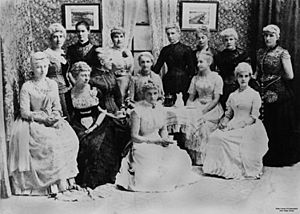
(56, 55)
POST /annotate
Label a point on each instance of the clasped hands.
(160, 141)
(228, 126)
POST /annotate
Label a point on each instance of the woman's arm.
(287, 65)
(218, 90)
(128, 60)
(212, 104)
(99, 120)
(190, 100)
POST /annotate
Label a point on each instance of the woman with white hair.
(43, 147)
(236, 149)
(226, 61)
(274, 70)
(144, 75)
(59, 66)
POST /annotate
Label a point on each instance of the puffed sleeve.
(256, 104)
(285, 55)
(218, 85)
(192, 88)
(229, 110)
(25, 101)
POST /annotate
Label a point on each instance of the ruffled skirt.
(237, 153)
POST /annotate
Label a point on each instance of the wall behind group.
(232, 13)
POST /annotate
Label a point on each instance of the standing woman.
(202, 37)
(59, 66)
(274, 72)
(83, 50)
(226, 61)
(122, 61)
(179, 60)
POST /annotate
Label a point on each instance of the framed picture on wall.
(195, 14)
(73, 13)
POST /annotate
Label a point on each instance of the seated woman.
(204, 94)
(236, 149)
(154, 163)
(145, 60)
(101, 137)
(105, 81)
(43, 147)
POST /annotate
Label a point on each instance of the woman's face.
(151, 96)
(202, 40)
(202, 64)
(270, 39)
(82, 33)
(229, 42)
(57, 40)
(40, 69)
(243, 78)
(173, 35)
(83, 78)
(145, 63)
(118, 40)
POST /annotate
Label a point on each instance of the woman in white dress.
(122, 60)
(43, 147)
(236, 149)
(204, 94)
(154, 163)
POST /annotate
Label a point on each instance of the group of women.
(93, 87)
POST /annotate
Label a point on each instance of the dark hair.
(85, 23)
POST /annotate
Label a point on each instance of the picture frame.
(201, 13)
(73, 13)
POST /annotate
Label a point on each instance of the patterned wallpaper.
(43, 13)
(232, 13)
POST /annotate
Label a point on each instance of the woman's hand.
(50, 121)
(90, 129)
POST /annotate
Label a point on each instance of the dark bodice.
(208, 50)
(92, 111)
(82, 52)
(110, 95)
(227, 60)
(178, 58)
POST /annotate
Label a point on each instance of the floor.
(278, 191)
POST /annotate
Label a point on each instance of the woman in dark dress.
(102, 136)
(179, 60)
(104, 79)
(274, 71)
(226, 61)
(59, 66)
(83, 50)
(202, 37)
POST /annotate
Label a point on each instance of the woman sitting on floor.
(101, 137)
(236, 149)
(154, 163)
(43, 146)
